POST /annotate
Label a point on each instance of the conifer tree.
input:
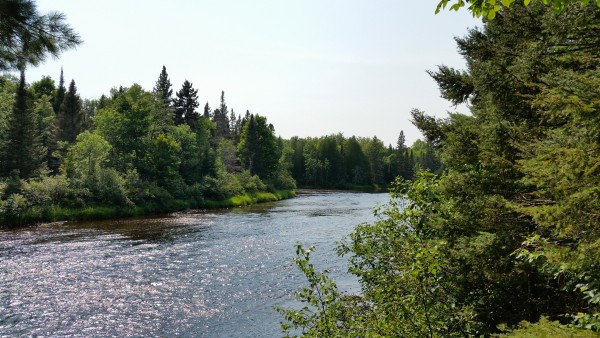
(163, 89)
(28, 37)
(207, 111)
(258, 148)
(47, 131)
(185, 104)
(221, 120)
(60, 93)
(232, 119)
(22, 150)
(70, 117)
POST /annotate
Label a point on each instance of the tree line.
(335, 161)
(132, 149)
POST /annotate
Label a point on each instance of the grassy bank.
(54, 213)
(248, 199)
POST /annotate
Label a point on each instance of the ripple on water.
(204, 274)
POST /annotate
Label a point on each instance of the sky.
(312, 67)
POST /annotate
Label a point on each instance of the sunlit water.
(202, 274)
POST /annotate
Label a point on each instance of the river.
(194, 274)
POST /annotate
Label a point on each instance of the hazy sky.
(312, 67)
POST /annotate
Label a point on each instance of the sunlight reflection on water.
(207, 274)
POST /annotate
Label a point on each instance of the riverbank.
(55, 213)
(371, 188)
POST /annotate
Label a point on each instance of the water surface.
(198, 274)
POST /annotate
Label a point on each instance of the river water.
(195, 274)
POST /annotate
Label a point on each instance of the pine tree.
(221, 120)
(22, 150)
(233, 127)
(232, 119)
(401, 158)
(207, 111)
(47, 131)
(28, 37)
(163, 89)
(70, 117)
(60, 93)
(401, 144)
(185, 104)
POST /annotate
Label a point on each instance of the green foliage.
(337, 162)
(87, 157)
(13, 208)
(48, 190)
(162, 158)
(70, 117)
(22, 149)
(522, 169)
(28, 37)
(320, 317)
(162, 89)
(86, 167)
(221, 120)
(44, 86)
(489, 8)
(510, 231)
(546, 328)
(258, 148)
(283, 177)
(131, 159)
(185, 104)
(403, 268)
(247, 199)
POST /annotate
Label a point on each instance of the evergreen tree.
(47, 130)
(28, 37)
(357, 168)
(401, 158)
(207, 111)
(258, 148)
(70, 117)
(162, 88)
(232, 120)
(60, 93)
(21, 150)
(185, 104)
(221, 120)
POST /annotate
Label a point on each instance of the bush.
(251, 184)
(545, 328)
(13, 208)
(47, 190)
(110, 189)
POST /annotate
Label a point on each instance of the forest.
(134, 151)
(505, 242)
(131, 152)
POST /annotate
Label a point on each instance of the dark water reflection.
(203, 274)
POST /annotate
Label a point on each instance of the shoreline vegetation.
(55, 213)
